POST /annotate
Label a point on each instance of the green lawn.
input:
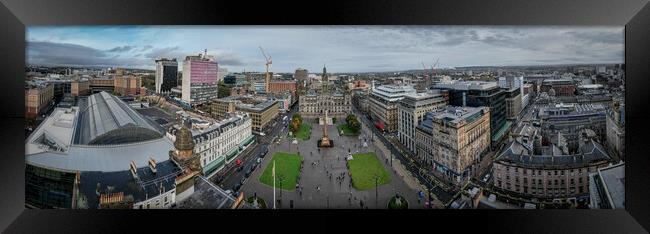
(286, 165)
(347, 131)
(304, 132)
(364, 167)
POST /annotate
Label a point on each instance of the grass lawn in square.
(304, 132)
(363, 168)
(347, 131)
(286, 165)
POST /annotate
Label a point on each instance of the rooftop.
(521, 154)
(105, 119)
(467, 85)
(54, 134)
(207, 196)
(452, 115)
(612, 185)
(148, 185)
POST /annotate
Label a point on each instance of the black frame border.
(15, 15)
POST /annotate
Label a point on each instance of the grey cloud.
(121, 49)
(166, 52)
(229, 59)
(50, 53)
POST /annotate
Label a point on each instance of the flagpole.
(274, 184)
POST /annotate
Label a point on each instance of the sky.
(340, 48)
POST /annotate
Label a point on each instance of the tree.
(353, 123)
(223, 90)
(296, 121)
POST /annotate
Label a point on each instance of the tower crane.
(269, 61)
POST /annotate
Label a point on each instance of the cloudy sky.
(341, 48)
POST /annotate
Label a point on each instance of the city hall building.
(314, 103)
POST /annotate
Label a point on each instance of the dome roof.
(184, 139)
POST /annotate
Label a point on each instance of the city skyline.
(341, 48)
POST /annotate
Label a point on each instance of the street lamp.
(280, 180)
(376, 190)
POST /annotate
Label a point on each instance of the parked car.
(240, 168)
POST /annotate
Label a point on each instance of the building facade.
(513, 103)
(260, 109)
(560, 87)
(37, 98)
(453, 139)
(316, 102)
(166, 75)
(80, 88)
(383, 105)
(217, 143)
(199, 81)
(479, 94)
(615, 125)
(128, 85)
(411, 111)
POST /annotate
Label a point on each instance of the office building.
(166, 75)
(80, 88)
(452, 140)
(260, 109)
(200, 81)
(383, 105)
(127, 85)
(411, 111)
(480, 94)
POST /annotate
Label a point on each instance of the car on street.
(486, 178)
(240, 168)
(228, 191)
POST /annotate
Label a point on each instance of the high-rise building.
(480, 94)
(411, 111)
(200, 81)
(166, 75)
(453, 139)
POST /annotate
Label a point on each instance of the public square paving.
(316, 189)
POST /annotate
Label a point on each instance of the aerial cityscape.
(324, 117)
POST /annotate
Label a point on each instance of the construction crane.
(424, 71)
(267, 79)
(433, 71)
